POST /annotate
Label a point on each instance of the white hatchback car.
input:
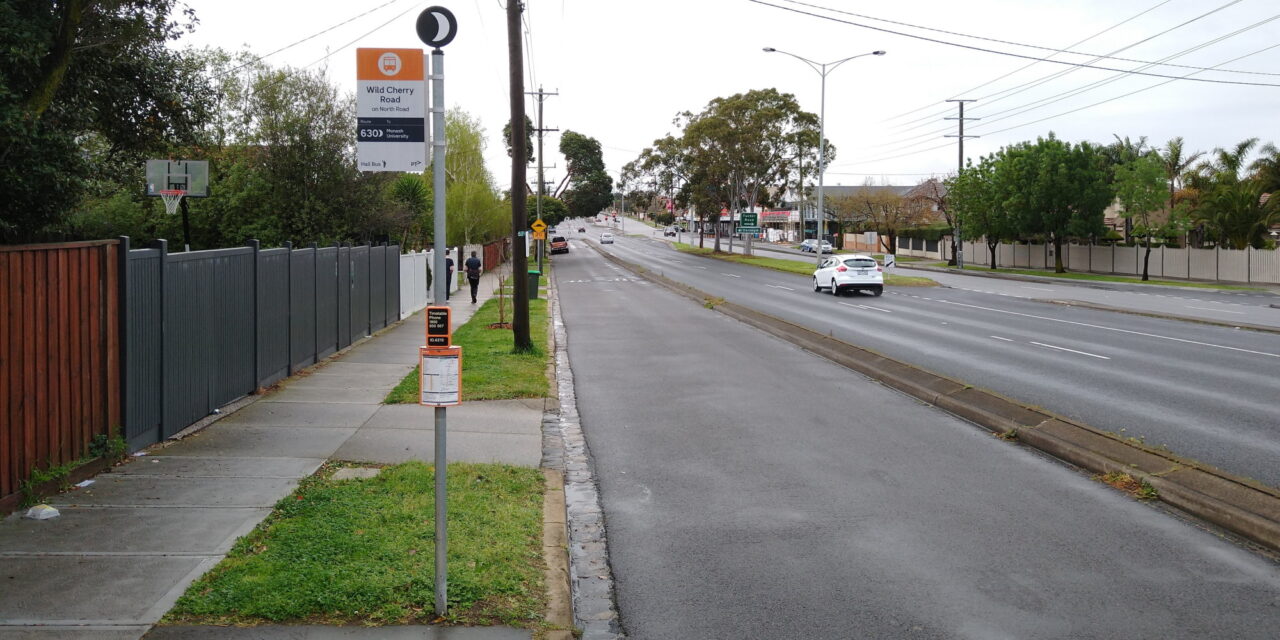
(606, 238)
(849, 272)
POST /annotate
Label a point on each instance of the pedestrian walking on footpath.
(472, 265)
(448, 276)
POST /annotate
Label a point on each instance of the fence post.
(337, 297)
(315, 305)
(288, 305)
(122, 319)
(257, 312)
(163, 246)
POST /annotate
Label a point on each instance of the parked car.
(849, 272)
(811, 245)
(606, 238)
(559, 244)
(669, 231)
(582, 229)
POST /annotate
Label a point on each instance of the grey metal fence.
(207, 327)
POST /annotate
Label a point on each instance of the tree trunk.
(519, 214)
(952, 261)
(1146, 259)
(54, 66)
(992, 247)
(1057, 254)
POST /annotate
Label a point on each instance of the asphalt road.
(753, 490)
(1210, 393)
(1250, 307)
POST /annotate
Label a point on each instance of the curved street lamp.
(823, 69)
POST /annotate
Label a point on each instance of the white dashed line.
(863, 306)
(777, 286)
(729, 274)
(999, 338)
(1083, 353)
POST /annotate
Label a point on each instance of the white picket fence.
(1251, 265)
(415, 276)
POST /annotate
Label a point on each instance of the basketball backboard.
(191, 176)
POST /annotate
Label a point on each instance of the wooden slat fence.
(59, 354)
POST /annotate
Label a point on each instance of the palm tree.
(1239, 215)
(1226, 163)
(1266, 169)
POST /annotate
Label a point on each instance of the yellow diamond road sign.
(538, 225)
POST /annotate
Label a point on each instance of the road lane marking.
(999, 338)
(703, 268)
(855, 306)
(1216, 310)
(778, 286)
(1083, 353)
(1128, 331)
(875, 308)
(729, 274)
(1038, 288)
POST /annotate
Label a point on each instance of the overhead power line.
(1026, 66)
(1011, 54)
(1057, 115)
(905, 143)
(1044, 48)
(312, 37)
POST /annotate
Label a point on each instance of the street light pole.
(823, 69)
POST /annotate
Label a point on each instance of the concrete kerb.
(1236, 504)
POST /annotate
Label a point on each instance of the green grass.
(490, 371)
(361, 552)
(794, 266)
(1097, 277)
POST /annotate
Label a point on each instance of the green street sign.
(749, 219)
(747, 230)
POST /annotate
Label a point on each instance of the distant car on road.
(559, 244)
(606, 238)
(811, 245)
(849, 272)
(582, 229)
(669, 231)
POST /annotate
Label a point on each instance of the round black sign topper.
(437, 26)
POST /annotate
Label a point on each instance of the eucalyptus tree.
(586, 189)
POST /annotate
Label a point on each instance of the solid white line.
(1083, 353)
(1217, 310)
(778, 286)
(875, 309)
(729, 274)
(999, 338)
(1097, 326)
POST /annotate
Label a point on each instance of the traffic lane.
(1211, 398)
(1222, 306)
(753, 490)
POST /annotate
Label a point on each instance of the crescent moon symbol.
(442, 27)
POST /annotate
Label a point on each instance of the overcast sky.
(624, 69)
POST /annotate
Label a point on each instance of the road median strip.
(1240, 505)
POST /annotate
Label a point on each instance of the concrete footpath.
(127, 546)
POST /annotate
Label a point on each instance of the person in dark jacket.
(448, 276)
(472, 265)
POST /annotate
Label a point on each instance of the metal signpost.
(436, 28)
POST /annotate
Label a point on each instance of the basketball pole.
(186, 226)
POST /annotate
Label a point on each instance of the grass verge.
(361, 552)
(490, 371)
(793, 266)
(1097, 277)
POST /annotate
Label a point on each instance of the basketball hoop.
(171, 199)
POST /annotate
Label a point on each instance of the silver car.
(849, 272)
(606, 238)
